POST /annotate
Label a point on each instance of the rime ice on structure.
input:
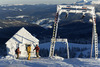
(21, 39)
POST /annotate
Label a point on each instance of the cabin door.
(22, 48)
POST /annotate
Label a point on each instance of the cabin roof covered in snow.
(23, 36)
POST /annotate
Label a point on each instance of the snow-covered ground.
(56, 61)
(47, 62)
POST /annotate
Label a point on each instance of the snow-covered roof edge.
(19, 31)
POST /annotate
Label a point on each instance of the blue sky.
(36, 1)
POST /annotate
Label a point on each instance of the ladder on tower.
(96, 46)
(94, 40)
(54, 36)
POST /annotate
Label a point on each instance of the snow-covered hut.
(21, 39)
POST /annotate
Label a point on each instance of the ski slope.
(47, 62)
(55, 61)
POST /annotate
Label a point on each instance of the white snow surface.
(1, 27)
(88, 2)
(56, 61)
(96, 2)
(47, 62)
(45, 23)
(20, 16)
(98, 14)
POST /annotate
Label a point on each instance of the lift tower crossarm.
(75, 9)
(74, 6)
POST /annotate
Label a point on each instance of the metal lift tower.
(75, 9)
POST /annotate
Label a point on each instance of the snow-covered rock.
(57, 58)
